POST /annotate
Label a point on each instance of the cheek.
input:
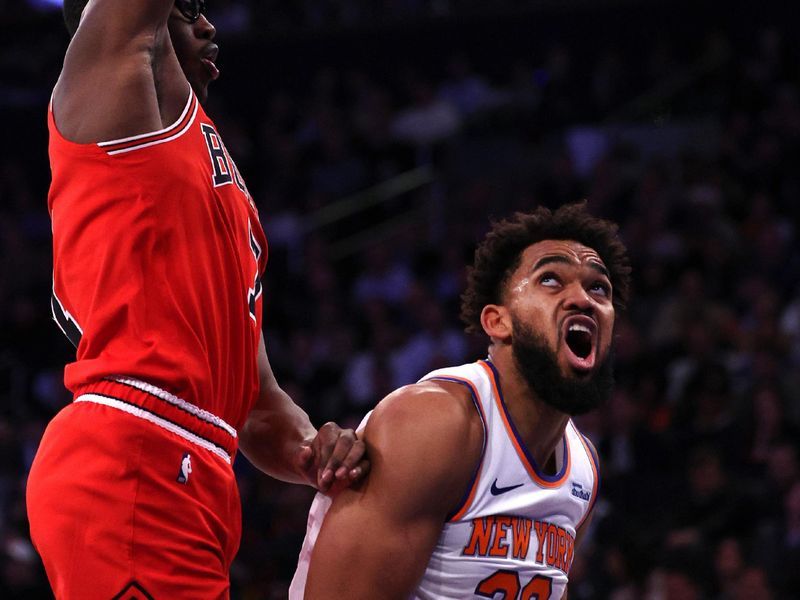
(533, 313)
(180, 50)
(180, 35)
(532, 302)
(607, 328)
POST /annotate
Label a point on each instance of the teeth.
(577, 327)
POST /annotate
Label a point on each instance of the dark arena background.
(378, 139)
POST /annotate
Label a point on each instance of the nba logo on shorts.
(186, 468)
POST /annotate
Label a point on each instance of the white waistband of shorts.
(172, 399)
(141, 413)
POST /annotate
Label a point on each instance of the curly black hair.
(499, 254)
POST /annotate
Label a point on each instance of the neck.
(540, 426)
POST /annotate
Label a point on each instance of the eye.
(601, 288)
(549, 280)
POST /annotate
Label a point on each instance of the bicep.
(113, 50)
(388, 526)
(117, 34)
(364, 545)
(114, 23)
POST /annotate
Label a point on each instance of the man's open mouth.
(580, 340)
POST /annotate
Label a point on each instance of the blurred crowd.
(691, 143)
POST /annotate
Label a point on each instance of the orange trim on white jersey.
(527, 460)
(595, 469)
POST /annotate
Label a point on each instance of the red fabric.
(154, 261)
(176, 415)
(107, 510)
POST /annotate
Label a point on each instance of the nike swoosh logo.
(496, 491)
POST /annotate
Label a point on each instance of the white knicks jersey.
(513, 537)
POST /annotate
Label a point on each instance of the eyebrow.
(599, 267)
(560, 258)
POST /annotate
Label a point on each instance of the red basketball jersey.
(158, 253)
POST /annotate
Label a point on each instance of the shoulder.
(437, 398)
(442, 408)
(429, 432)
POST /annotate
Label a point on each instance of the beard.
(538, 366)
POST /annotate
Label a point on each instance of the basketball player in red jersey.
(158, 255)
(481, 485)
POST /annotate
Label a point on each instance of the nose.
(577, 298)
(204, 29)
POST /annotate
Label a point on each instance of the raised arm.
(108, 88)
(280, 440)
(424, 442)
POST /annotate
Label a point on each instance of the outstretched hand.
(334, 456)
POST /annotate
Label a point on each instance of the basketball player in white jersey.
(481, 485)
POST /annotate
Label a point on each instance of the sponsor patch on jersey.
(579, 492)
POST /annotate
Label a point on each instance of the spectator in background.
(385, 278)
(434, 344)
(729, 563)
(428, 119)
(465, 89)
(681, 575)
(784, 564)
(752, 583)
(782, 470)
(769, 423)
(714, 505)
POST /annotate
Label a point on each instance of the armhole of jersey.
(595, 462)
(145, 140)
(469, 495)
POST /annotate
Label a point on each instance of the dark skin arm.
(424, 443)
(280, 440)
(107, 88)
(120, 78)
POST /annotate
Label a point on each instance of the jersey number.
(507, 583)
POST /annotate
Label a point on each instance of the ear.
(496, 322)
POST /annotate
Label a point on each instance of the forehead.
(567, 251)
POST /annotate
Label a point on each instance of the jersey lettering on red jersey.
(157, 258)
(225, 170)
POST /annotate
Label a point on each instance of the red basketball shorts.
(121, 508)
